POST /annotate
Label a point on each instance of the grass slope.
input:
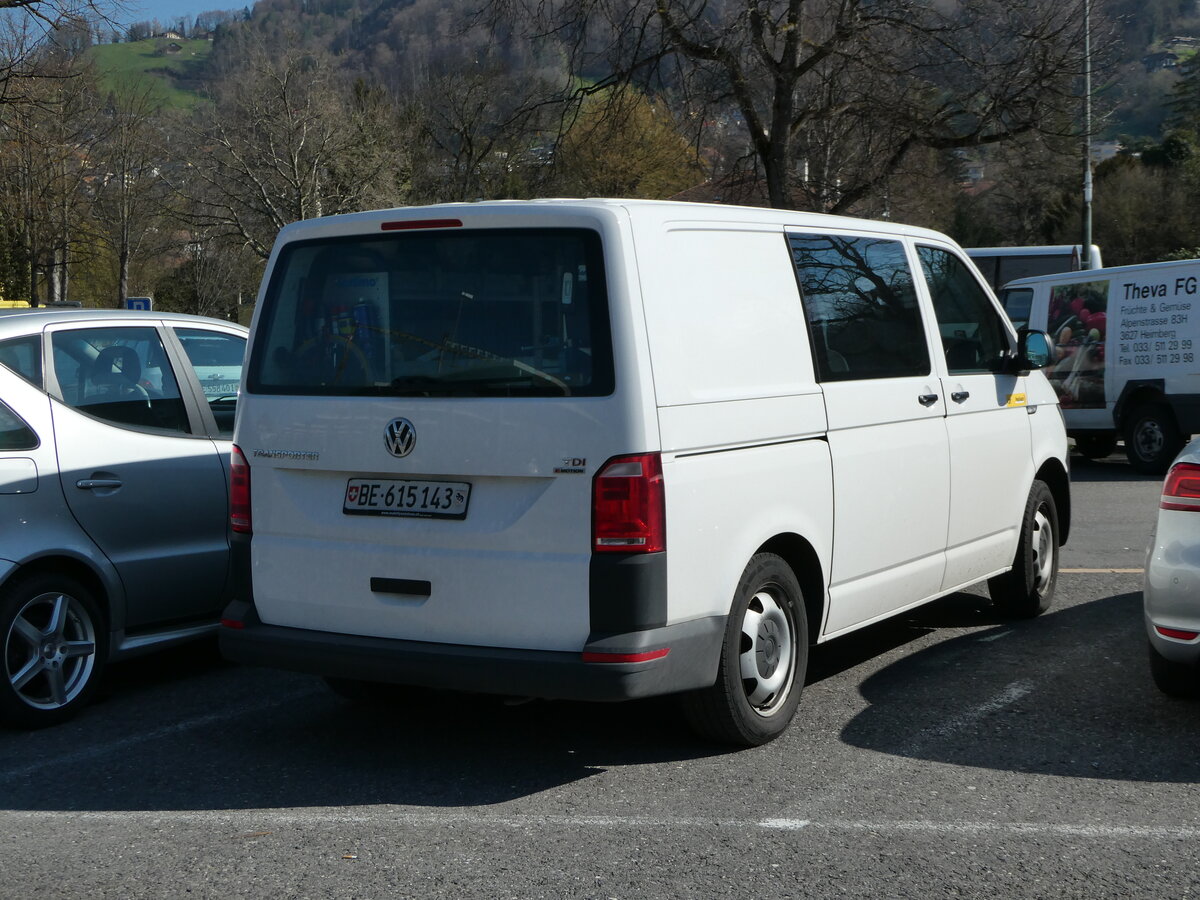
(170, 73)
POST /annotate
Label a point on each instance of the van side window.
(861, 306)
(1017, 302)
(974, 338)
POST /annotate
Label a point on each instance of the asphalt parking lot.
(949, 753)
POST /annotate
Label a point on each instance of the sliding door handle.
(927, 399)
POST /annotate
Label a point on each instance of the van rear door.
(425, 406)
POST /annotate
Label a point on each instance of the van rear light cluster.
(239, 492)
(1181, 490)
(628, 505)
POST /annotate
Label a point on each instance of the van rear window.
(473, 313)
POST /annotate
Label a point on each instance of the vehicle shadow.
(1086, 707)
(280, 740)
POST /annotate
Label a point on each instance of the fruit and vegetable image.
(1078, 322)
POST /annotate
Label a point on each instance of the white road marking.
(1102, 571)
(995, 637)
(258, 824)
(954, 725)
(95, 750)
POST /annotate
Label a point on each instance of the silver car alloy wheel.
(50, 650)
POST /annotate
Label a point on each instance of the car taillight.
(1181, 490)
(628, 505)
(239, 492)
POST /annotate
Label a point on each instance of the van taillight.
(239, 492)
(1181, 490)
(628, 505)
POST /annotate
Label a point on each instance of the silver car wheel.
(767, 661)
(50, 650)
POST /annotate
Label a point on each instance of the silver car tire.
(55, 647)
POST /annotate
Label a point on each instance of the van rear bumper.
(691, 663)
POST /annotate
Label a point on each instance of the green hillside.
(175, 74)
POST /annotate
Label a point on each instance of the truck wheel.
(763, 660)
(1174, 679)
(1027, 589)
(1096, 446)
(1152, 439)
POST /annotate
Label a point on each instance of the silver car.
(1172, 588)
(115, 433)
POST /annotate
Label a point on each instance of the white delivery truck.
(1126, 354)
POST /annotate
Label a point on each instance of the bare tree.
(129, 194)
(285, 140)
(880, 78)
(45, 171)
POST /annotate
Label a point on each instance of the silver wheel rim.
(1043, 550)
(767, 657)
(50, 651)
(1149, 439)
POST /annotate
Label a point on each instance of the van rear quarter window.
(475, 313)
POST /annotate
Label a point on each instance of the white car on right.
(1171, 594)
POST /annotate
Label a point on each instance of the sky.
(168, 11)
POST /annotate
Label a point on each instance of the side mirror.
(1036, 348)
(1034, 351)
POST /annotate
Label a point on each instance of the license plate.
(422, 499)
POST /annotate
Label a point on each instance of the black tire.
(1174, 679)
(1096, 446)
(1027, 589)
(1152, 439)
(55, 647)
(767, 632)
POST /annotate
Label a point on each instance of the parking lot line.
(257, 823)
(1102, 571)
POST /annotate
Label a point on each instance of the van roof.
(1094, 274)
(350, 223)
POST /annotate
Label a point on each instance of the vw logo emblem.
(400, 437)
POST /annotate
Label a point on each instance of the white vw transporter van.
(608, 449)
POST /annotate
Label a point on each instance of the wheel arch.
(805, 564)
(1136, 394)
(1055, 476)
(72, 568)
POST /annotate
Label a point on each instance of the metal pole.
(1085, 250)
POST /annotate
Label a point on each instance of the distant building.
(1164, 59)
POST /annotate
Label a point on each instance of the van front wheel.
(763, 660)
(1027, 589)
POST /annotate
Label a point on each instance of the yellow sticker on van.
(1017, 400)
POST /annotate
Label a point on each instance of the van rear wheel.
(763, 660)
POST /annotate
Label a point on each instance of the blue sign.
(146, 303)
